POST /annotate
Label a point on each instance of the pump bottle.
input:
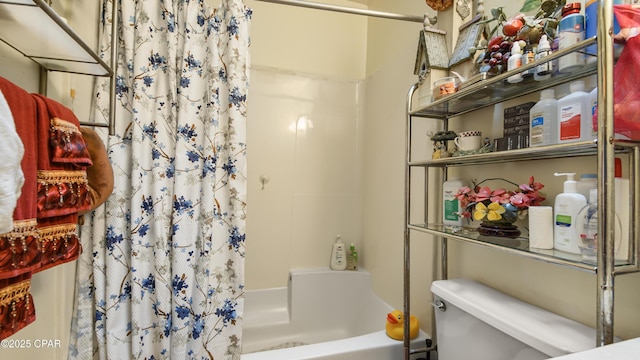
(338, 255)
(566, 207)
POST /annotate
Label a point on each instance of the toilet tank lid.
(547, 332)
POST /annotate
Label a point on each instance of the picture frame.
(469, 35)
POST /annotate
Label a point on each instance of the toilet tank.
(481, 323)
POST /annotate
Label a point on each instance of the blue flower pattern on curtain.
(162, 272)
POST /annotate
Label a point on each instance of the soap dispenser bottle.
(566, 207)
(338, 255)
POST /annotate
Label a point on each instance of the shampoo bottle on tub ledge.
(338, 255)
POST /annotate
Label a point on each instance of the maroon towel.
(62, 159)
(59, 136)
(16, 305)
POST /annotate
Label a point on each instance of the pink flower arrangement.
(490, 203)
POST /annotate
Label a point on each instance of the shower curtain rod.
(347, 10)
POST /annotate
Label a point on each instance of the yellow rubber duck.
(395, 325)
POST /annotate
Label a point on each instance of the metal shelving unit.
(495, 90)
(34, 29)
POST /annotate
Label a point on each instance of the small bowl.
(445, 86)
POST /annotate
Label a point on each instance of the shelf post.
(407, 240)
(606, 202)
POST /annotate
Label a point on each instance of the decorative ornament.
(499, 209)
(463, 8)
(439, 5)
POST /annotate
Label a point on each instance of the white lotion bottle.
(566, 208)
(338, 255)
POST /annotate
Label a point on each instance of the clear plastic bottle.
(574, 115)
(543, 120)
(588, 227)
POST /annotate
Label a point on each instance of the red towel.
(16, 305)
(62, 158)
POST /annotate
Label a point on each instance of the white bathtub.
(322, 314)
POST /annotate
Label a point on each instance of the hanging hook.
(264, 180)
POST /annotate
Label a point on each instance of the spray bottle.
(566, 208)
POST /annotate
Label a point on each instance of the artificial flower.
(493, 212)
(481, 202)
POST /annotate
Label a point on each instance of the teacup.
(468, 140)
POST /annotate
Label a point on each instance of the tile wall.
(303, 172)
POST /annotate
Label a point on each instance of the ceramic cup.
(468, 140)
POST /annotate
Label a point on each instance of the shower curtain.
(161, 275)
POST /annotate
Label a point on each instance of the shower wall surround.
(305, 137)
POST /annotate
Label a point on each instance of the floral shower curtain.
(162, 271)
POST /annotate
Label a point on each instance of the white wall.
(303, 136)
(304, 63)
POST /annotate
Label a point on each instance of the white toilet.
(476, 322)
